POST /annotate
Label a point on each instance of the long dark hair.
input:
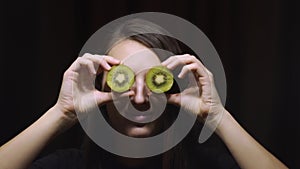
(139, 30)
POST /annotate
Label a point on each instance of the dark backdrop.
(257, 41)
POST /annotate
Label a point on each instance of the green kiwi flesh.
(159, 79)
(120, 78)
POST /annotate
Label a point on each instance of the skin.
(19, 152)
(139, 93)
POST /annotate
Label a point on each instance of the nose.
(141, 91)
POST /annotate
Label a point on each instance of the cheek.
(112, 113)
(116, 120)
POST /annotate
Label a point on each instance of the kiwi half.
(120, 78)
(159, 79)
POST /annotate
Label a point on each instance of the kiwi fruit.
(120, 78)
(159, 79)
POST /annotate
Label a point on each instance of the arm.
(248, 153)
(245, 149)
(19, 152)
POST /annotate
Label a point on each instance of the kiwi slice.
(120, 78)
(159, 79)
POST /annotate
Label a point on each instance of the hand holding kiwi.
(201, 98)
(78, 93)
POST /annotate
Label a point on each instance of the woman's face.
(139, 58)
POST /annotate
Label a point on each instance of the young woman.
(20, 152)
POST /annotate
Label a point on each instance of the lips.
(141, 119)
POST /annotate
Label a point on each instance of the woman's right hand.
(78, 92)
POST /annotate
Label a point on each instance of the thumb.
(174, 98)
(105, 97)
(102, 97)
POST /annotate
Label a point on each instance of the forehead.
(134, 55)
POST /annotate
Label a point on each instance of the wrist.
(62, 118)
(225, 121)
(213, 116)
(65, 112)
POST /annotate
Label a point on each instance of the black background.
(257, 41)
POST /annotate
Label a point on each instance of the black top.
(73, 159)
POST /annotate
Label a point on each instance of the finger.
(203, 71)
(188, 68)
(180, 60)
(102, 97)
(173, 99)
(168, 61)
(175, 57)
(124, 94)
(82, 62)
(193, 80)
(102, 60)
(111, 60)
(74, 67)
(96, 58)
(78, 63)
(196, 67)
(199, 70)
(99, 61)
(187, 56)
(122, 97)
(105, 61)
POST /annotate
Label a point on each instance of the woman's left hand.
(201, 98)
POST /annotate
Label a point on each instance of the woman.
(22, 150)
